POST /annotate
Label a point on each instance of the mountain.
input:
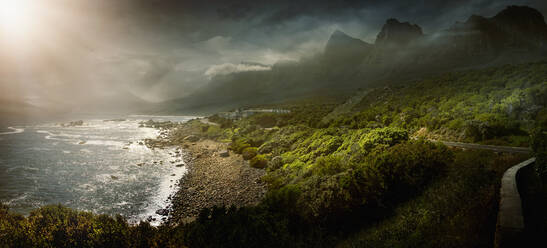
(342, 45)
(397, 33)
(522, 26)
(401, 52)
(516, 27)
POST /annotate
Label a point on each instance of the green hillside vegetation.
(366, 177)
(493, 106)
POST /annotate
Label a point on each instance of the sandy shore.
(214, 180)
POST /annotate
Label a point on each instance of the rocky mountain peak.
(520, 15)
(341, 42)
(515, 26)
(398, 33)
(523, 22)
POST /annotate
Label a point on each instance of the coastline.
(213, 180)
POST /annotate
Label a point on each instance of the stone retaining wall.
(510, 225)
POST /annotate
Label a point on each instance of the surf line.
(15, 130)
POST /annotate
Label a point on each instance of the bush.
(243, 227)
(405, 169)
(259, 161)
(238, 145)
(384, 136)
(335, 187)
(60, 227)
(539, 147)
(458, 210)
(330, 165)
(249, 153)
(13, 229)
(213, 132)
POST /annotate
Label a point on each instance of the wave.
(60, 136)
(19, 198)
(167, 187)
(15, 130)
(49, 134)
(105, 143)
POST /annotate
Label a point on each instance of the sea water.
(100, 166)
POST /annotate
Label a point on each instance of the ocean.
(100, 166)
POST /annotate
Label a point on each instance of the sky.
(69, 54)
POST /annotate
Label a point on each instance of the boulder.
(224, 153)
(162, 212)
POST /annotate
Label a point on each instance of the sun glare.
(16, 16)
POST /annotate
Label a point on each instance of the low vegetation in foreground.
(361, 173)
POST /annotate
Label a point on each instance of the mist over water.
(99, 167)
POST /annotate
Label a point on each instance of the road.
(206, 121)
(510, 149)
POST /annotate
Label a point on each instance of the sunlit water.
(98, 167)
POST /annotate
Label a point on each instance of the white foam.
(39, 149)
(18, 198)
(104, 143)
(15, 130)
(168, 186)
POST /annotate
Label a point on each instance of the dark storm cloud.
(164, 49)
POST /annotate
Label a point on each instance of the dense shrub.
(13, 229)
(244, 227)
(58, 226)
(476, 105)
(539, 147)
(330, 165)
(458, 210)
(335, 186)
(259, 161)
(249, 153)
(238, 145)
(405, 168)
(383, 136)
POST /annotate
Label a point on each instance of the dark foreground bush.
(244, 227)
(58, 226)
(458, 210)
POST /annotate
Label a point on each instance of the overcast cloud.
(82, 51)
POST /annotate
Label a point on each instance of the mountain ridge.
(517, 34)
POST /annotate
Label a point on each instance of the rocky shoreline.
(214, 178)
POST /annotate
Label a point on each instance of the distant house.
(243, 113)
